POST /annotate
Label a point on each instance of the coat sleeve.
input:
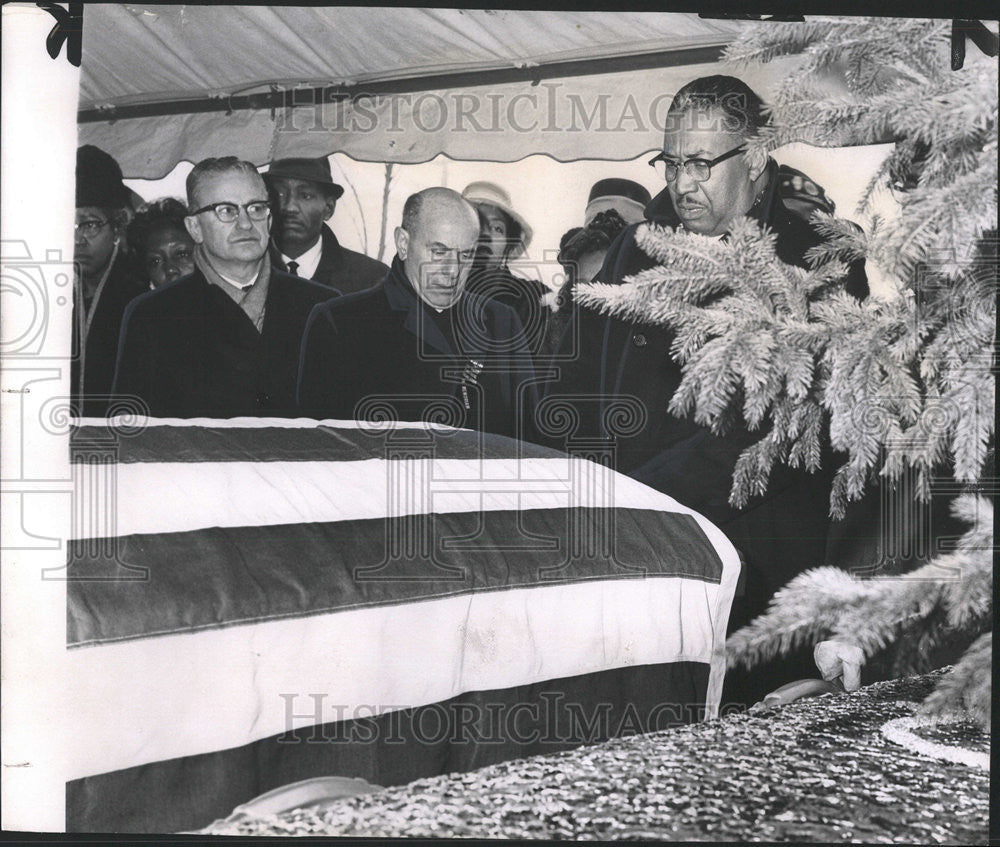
(135, 366)
(325, 362)
(523, 388)
(586, 354)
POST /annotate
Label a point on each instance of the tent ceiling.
(162, 84)
(143, 54)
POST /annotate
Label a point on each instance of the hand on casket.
(840, 660)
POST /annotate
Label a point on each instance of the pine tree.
(904, 385)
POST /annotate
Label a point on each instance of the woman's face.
(492, 235)
(169, 254)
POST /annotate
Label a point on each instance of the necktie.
(293, 268)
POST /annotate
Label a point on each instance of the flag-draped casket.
(254, 602)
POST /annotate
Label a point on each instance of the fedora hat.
(310, 170)
(492, 194)
(626, 197)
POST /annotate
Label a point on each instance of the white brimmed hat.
(492, 194)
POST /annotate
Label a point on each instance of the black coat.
(340, 268)
(188, 350)
(385, 346)
(779, 534)
(122, 286)
(522, 295)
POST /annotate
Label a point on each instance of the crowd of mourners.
(239, 301)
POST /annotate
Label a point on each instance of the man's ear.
(757, 161)
(193, 226)
(402, 242)
(329, 209)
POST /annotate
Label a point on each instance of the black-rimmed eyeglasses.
(88, 229)
(699, 170)
(257, 210)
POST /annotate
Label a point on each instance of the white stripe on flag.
(158, 497)
(154, 699)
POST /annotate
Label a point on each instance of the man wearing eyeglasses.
(105, 281)
(419, 346)
(224, 340)
(710, 182)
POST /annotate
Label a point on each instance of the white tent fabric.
(148, 53)
(162, 54)
(608, 116)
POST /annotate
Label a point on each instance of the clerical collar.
(242, 286)
(307, 263)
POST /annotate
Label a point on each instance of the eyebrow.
(699, 154)
(234, 203)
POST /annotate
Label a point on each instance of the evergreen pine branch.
(874, 613)
(803, 612)
(969, 598)
(958, 212)
(907, 385)
(890, 604)
(752, 471)
(842, 240)
(971, 433)
(805, 451)
(966, 686)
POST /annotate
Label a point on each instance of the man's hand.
(840, 659)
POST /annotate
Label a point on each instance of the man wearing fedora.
(305, 197)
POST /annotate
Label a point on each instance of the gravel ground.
(816, 770)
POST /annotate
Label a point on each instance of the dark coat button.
(639, 340)
(263, 399)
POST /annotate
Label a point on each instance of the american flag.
(225, 573)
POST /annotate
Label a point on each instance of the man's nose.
(685, 184)
(243, 221)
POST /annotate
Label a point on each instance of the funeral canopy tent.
(161, 84)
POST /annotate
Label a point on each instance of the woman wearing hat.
(504, 235)
(106, 280)
(612, 205)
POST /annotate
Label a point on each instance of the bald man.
(418, 344)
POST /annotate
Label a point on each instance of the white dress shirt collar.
(308, 261)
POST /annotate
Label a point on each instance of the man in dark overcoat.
(223, 341)
(709, 185)
(305, 197)
(418, 346)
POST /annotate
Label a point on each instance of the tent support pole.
(313, 96)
